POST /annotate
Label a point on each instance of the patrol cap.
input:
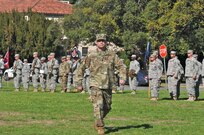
(101, 37)
(133, 56)
(17, 55)
(25, 60)
(43, 59)
(173, 52)
(52, 53)
(155, 52)
(63, 57)
(68, 56)
(35, 53)
(152, 55)
(195, 56)
(190, 51)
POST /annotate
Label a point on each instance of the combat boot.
(68, 91)
(133, 93)
(99, 127)
(190, 98)
(83, 92)
(62, 91)
(35, 90)
(101, 131)
(16, 90)
(114, 91)
(153, 99)
(175, 98)
(52, 91)
(43, 90)
(26, 90)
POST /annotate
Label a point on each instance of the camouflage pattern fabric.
(43, 75)
(26, 76)
(18, 65)
(64, 69)
(35, 72)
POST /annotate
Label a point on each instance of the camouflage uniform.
(17, 69)
(160, 64)
(191, 71)
(53, 66)
(86, 80)
(199, 77)
(155, 73)
(135, 66)
(69, 80)
(101, 65)
(25, 75)
(202, 73)
(1, 70)
(174, 72)
(64, 69)
(36, 64)
(43, 74)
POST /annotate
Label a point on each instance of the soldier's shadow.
(116, 129)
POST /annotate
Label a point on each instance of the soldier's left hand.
(122, 82)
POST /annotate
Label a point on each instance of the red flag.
(6, 59)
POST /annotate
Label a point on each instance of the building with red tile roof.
(47, 7)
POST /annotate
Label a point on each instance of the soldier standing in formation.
(174, 72)
(160, 63)
(64, 69)
(69, 80)
(43, 74)
(199, 78)
(53, 67)
(35, 69)
(101, 64)
(17, 69)
(155, 73)
(86, 80)
(25, 74)
(1, 69)
(133, 71)
(191, 74)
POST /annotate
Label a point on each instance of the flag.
(6, 59)
(147, 52)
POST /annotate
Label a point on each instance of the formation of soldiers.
(44, 74)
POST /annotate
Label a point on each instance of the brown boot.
(153, 99)
(101, 131)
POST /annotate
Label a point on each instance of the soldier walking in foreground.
(25, 74)
(133, 71)
(1, 69)
(102, 64)
(43, 74)
(154, 77)
(17, 70)
(64, 69)
(199, 77)
(53, 67)
(35, 69)
(174, 72)
(191, 74)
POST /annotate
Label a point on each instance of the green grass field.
(28, 113)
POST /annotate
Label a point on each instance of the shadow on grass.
(172, 99)
(116, 129)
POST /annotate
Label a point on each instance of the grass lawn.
(28, 113)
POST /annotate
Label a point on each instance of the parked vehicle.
(8, 74)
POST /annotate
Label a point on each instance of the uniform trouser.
(17, 81)
(86, 85)
(42, 82)
(102, 100)
(190, 86)
(63, 82)
(133, 83)
(1, 80)
(154, 84)
(25, 81)
(197, 92)
(173, 86)
(35, 80)
(52, 82)
(69, 81)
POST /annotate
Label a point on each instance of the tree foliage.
(131, 23)
(26, 36)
